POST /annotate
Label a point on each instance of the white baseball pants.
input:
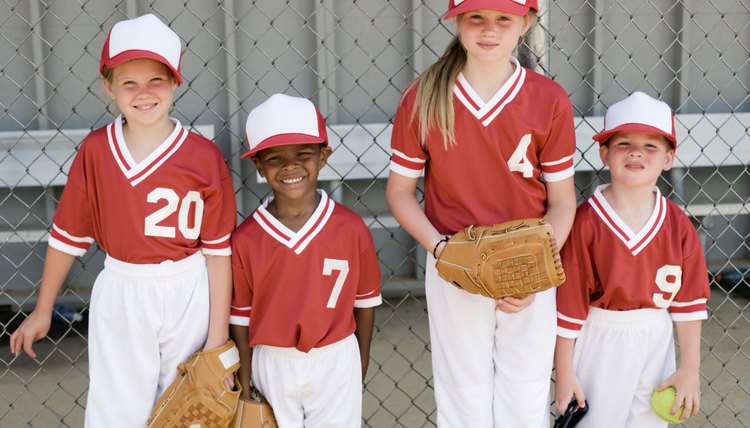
(318, 389)
(619, 358)
(491, 369)
(144, 321)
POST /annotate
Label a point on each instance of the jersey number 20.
(153, 226)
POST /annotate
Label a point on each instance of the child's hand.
(567, 386)
(229, 382)
(512, 305)
(687, 384)
(33, 328)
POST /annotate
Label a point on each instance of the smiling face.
(292, 170)
(143, 90)
(490, 35)
(637, 158)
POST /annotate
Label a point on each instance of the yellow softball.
(662, 402)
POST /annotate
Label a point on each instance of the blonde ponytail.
(434, 105)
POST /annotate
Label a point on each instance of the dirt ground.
(51, 391)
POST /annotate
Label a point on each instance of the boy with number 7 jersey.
(306, 278)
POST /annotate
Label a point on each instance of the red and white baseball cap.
(641, 113)
(515, 7)
(283, 120)
(142, 37)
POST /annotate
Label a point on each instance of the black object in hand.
(573, 414)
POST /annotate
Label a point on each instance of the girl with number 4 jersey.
(495, 141)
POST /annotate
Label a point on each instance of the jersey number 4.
(342, 267)
(518, 161)
(155, 221)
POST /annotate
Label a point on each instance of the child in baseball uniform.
(159, 200)
(306, 278)
(634, 265)
(495, 141)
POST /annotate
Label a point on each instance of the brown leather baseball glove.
(198, 397)
(254, 413)
(516, 258)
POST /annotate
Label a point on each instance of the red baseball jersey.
(178, 200)
(609, 266)
(298, 289)
(505, 149)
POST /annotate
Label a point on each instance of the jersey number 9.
(669, 280)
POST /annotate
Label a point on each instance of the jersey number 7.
(342, 266)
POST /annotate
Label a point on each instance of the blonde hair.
(433, 107)
(108, 73)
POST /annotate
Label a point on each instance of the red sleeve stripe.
(578, 321)
(65, 248)
(407, 162)
(568, 325)
(241, 311)
(217, 244)
(558, 165)
(368, 294)
(406, 172)
(687, 309)
(67, 238)
(217, 241)
(702, 300)
(220, 246)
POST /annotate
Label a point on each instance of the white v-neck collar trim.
(297, 241)
(634, 241)
(134, 171)
(486, 112)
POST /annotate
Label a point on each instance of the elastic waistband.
(167, 268)
(314, 352)
(630, 317)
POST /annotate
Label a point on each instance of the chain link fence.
(353, 59)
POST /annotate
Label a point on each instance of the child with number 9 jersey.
(306, 277)
(634, 264)
(159, 200)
